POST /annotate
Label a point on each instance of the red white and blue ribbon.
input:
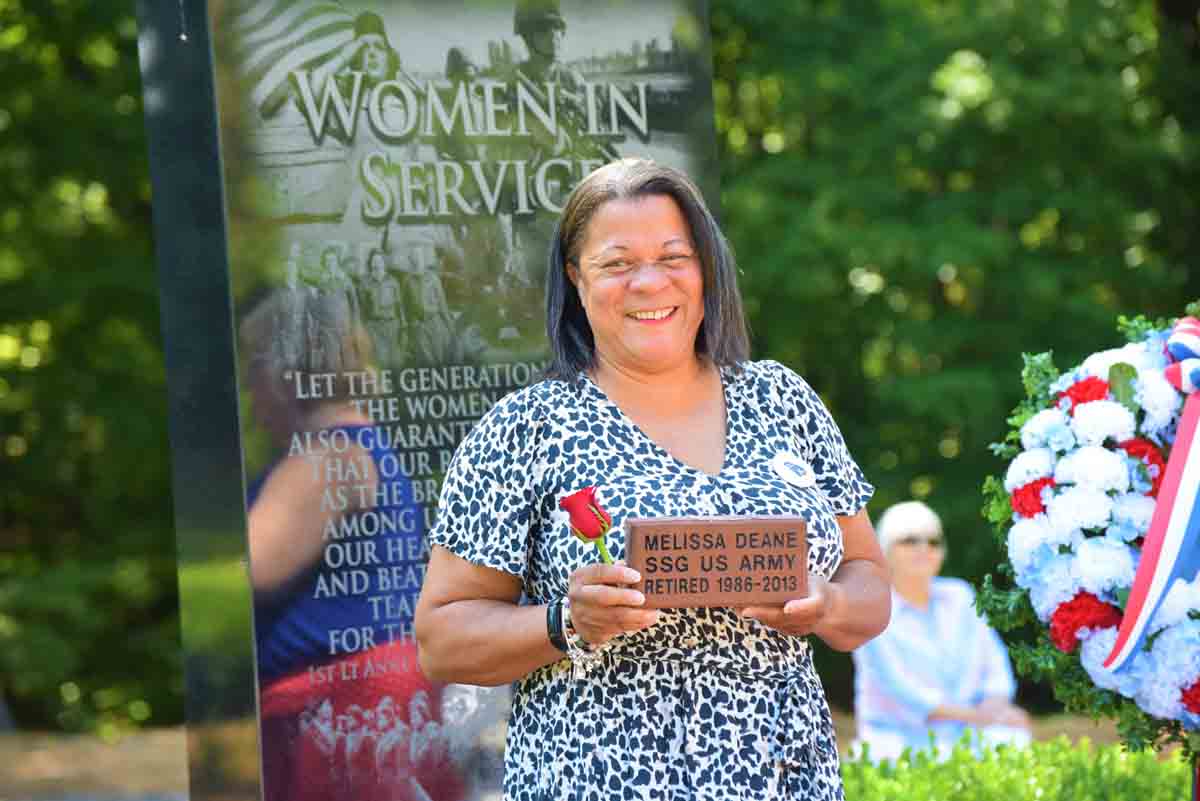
(1184, 347)
(1171, 548)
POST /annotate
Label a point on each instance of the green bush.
(1046, 771)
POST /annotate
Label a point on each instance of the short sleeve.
(821, 443)
(487, 504)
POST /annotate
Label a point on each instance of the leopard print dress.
(704, 704)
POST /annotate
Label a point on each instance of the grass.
(154, 762)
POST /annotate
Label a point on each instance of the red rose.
(1027, 500)
(589, 522)
(1085, 391)
(1149, 453)
(1191, 698)
(1084, 610)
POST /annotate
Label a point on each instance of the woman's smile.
(655, 316)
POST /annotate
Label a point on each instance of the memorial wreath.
(1097, 512)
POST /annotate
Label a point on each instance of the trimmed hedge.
(1055, 770)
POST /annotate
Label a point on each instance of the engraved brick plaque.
(718, 561)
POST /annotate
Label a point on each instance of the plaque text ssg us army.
(718, 561)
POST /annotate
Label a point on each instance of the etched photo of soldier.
(473, 247)
(370, 52)
(541, 27)
(334, 44)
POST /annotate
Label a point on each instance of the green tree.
(920, 190)
(88, 622)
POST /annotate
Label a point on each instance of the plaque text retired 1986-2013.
(718, 561)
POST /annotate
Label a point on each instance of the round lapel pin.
(793, 469)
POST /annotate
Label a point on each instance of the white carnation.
(1158, 398)
(1099, 420)
(1054, 584)
(1170, 666)
(1079, 508)
(1029, 466)
(1031, 541)
(1103, 566)
(1095, 651)
(1177, 653)
(1033, 433)
(1133, 510)
(1136, 354)
(1094, 467)
(1160, 700)
(1183, 597)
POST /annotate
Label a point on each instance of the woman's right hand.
(603, 605)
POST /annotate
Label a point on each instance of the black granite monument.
(353, 203)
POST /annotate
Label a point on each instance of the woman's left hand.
(803, 615)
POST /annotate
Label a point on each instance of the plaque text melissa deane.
(714, 540)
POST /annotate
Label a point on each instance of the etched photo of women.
(435, 333)
(293, 316)
(383, 312)
(336, 317)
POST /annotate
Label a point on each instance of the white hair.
(905, 520)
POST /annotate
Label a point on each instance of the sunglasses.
(932, 542)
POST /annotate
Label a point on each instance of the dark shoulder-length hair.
(723, 335)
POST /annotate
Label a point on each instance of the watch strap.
(554, 625)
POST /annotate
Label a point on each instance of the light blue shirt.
(944, 654)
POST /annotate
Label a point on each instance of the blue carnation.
(1060, 437)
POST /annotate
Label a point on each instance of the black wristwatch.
(554, 625)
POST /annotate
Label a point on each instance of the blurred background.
(918, 191)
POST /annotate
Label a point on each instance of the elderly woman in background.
(653, 403)
(938, 670)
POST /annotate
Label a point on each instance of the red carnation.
(1027, 500)
(1084, 610)
(1085, 391)
(1149, 453)
(1191, 698)
(589, 522)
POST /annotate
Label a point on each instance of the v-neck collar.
(726, 378)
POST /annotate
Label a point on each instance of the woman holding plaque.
(652, 410)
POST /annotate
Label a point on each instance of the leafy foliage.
(1049, 771)
(87, 573)
(1120, 384)
(918, 190)
(1136, 328)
